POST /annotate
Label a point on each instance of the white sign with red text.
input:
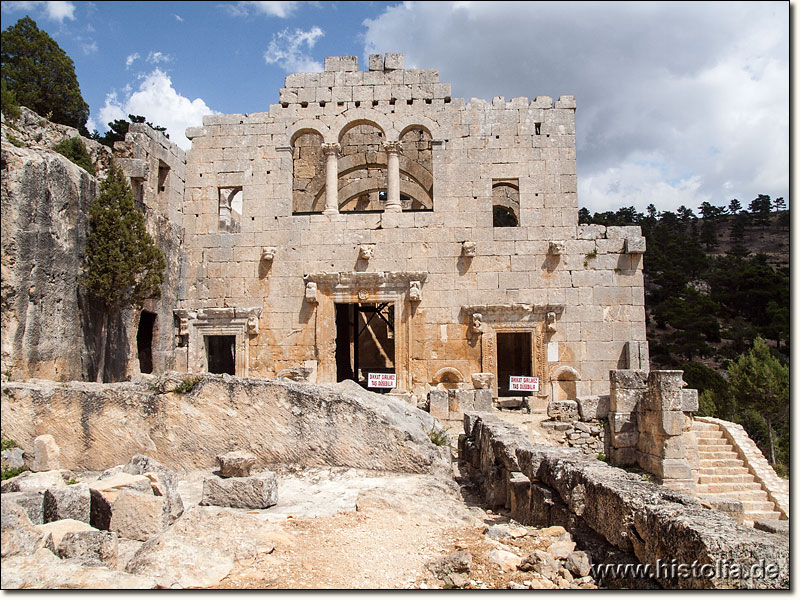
(520, 383)
(381, 380)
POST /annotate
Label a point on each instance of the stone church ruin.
(368, 228)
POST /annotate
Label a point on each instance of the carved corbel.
(476, 325)
(268, 253)
(311, 292)
(415, 291)
(551, 322)
(252, 325)
(365, 251)
(557, 248)
(469, 248)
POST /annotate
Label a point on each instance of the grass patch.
(8, 444)
(439, 437)
(14, 141)
(187, 385)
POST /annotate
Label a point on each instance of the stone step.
(771, 515)
(709, 434)
(719, 488)
(700, 426)
(719, 478)
(748, 496)
(705, 441)
(738, 470)
(729, 454)
(758, 506)
(721, 462)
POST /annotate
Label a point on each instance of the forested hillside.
(717, 296)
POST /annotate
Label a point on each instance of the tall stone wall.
(275, 282)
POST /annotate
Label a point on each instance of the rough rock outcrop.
(287, 422)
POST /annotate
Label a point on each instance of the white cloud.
(159, 103)
(131, 59)
(55, 11)
(89, 47)
(678, 103)
(178, 18)
(271, 9)
(286, 50)
(157, 58)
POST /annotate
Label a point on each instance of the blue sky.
(678, 103)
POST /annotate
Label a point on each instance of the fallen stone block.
(439, 406)
(256, 491)
(593, 407)
(70, 502)
(563, 410)
(91, 548)
(163, 481)
(138, 516)
(235, 464)
(32, 502)
(18, 536)
(36, 482)
(58, 529)
(104, 493)
(483, 400)
(507, 561)
(12, 458)
(45, 453)
(781, 527)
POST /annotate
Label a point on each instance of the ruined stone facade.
(370, 222)
(453, 225)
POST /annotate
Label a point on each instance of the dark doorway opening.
(144, 341)
(364, 341)
(513, 358)
(221, 353)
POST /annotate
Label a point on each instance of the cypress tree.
(123, 266)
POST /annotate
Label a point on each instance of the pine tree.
(123, 265)
(735, 206)
(41, 75)
(760, 382)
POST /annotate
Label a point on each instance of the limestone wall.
(280, 421)
(577, 290)
(543, 486)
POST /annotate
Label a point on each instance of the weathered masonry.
(372, 223)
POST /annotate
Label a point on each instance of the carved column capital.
(328, 149)
(393, 147)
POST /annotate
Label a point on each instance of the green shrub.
(187, 385)
(9, 473)
(439, 436)
(8, 444)
(14, 140)
(75, 150)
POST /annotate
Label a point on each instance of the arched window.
(505, 203)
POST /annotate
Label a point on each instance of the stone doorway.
(514, 357)
(365, 341)
(221, 354)
(144, 341)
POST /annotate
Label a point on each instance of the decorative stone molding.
(557, 248)
(393, 147)
(359, 279)
(365, 251)
(311, 293)
(469, 248)
(268, 253)
(184, 317)
(499, 312)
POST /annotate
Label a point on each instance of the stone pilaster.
(331, 152)
(393, 150)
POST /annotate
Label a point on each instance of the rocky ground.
(332, 528)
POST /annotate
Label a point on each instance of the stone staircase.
(722, 474)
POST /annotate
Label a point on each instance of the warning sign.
(381, 380)
(520, 383)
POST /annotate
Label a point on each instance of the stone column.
(331, 178)
(393, 150)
